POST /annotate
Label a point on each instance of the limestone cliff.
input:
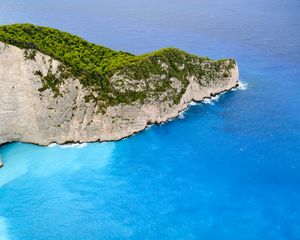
(28, 114)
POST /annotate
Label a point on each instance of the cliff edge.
(44, 100)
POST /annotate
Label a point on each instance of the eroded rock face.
(30, 115)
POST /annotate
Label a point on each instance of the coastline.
(79, 144)
(31, 116)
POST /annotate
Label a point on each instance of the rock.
(1, 164)
(29, 115)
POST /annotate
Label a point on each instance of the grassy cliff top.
(75, 52)
(80, 55)
(94, 64)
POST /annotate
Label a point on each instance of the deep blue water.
(225, 170)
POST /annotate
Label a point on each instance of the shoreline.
(40, 118)
(69, 143)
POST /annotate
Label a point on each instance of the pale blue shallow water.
(227, 170)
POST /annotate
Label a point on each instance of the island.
(56, 87)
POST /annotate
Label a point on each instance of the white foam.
(212, 100)
(216, 98)
(52, 145)
(208, 101)
(181, 115)
(193, 103)
(242, 86)
(74, 145)
(149, 126)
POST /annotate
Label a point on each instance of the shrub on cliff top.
(94, 64)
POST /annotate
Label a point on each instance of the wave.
(211, 100)
(193, 103)
(208, 101)
(181, 115)
(242, 86)
(74, 145)
(52, 145)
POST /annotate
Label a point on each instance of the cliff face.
(28, 114)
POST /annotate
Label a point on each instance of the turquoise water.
(226, 169)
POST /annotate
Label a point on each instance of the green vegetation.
(94, 65)
(30, 54)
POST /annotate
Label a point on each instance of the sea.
(227, 169)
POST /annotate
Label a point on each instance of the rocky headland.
(48, 97)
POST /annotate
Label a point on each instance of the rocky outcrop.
(28, 114)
